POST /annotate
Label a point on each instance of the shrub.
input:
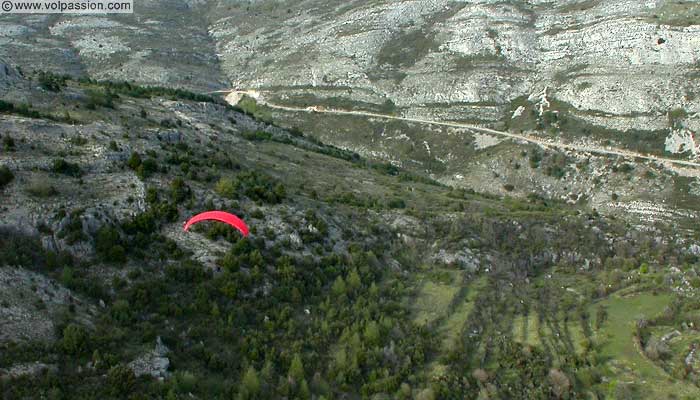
(134, 161)
(100, 98)
(8, 143)
(397, 203)
(108, 245)
(143, 168)
(535, 158)
(64, 167)
(121, 311)
(121, 380)
(625, 168)
(51, 82)
(255, 185)
(75, 339)
(19, 249)
(257, 136)
(147, 168)
(225, 187)
(179, 191)
(6, 107)
(677, 113)
(73, 230)
(6, 176)
(41, 188)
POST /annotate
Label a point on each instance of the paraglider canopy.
(220, 216)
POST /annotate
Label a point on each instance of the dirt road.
(671, 163)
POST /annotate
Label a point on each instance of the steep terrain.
(597, 74)
(447, 200)
(360, 279)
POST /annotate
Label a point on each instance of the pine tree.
(339, 288)
(304, 392)
(296, 369)
(250, 383)
(354, 281)
(372, 333)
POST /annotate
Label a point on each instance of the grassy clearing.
(625, 360)
(452, 326)
(454, 317)
(527, 329)
(446, 304)
(434, 299)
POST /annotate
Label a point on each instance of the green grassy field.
(434, 299)
(446, 305)
(451, 327)
(626, 362)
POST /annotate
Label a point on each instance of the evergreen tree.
(250, 384)
(296, 369)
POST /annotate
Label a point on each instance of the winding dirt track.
(579, 148)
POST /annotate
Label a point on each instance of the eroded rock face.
(628, 59)
(24, 369)
(154, 363)
(138, 47)
(464, 258)
(28, 303)
(8, 74)
(439, 53)
(616, 70)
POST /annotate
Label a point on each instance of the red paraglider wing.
(220, 216)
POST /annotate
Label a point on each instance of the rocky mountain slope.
(387, 258)
(360, 279)
(620, 65)
(599, 73)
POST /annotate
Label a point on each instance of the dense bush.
(75, 339)
(396, 203)
(26, 110)
(6, 176)
(51, 82)
(179, 191)
(72, 231)
(255, 185)
(8, 143)
(108, 245)
(143, 168)
(100, 98)
(64, 167)
(19, 249)
(148, 92)
(257, 135)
